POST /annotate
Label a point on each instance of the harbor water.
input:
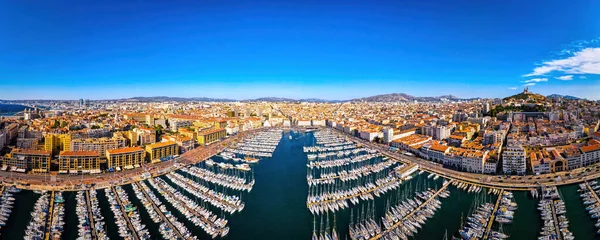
(276, 206)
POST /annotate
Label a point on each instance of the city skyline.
(329, 51)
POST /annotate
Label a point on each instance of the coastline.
(199, 154)
(43, 182)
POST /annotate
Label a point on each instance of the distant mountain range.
(568, 97)
(176, 99)
(403, 97)
(204, 99)
(392, 97)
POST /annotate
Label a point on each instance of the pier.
(188, 185)
(192, 211)
(593, 192)
(49, 220)
(378, 236)
(493, 216)
(125, 215)
(160, 213)
(351, 196)
(408, 167)
(556, 225)
(90, 214)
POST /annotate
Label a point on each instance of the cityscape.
(249, 121)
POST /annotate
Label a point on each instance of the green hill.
(529, 97)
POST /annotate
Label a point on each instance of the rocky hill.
(529, 97)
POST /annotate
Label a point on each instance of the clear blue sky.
(299, 49)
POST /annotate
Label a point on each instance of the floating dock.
(49, 220)
(90, 214)
(493, 216)
(160, 213)
(125, 215)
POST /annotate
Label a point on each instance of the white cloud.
(586, 61)
(565, 78)
(536, 80)
(528, 84)
(512, 88)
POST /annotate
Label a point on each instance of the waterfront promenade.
(513, 183)
(51, 182)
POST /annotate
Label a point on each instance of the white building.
(388, 135)
(175, 124)
(286, 123)
(368, 134)
(3, 138)
(318, 123)
(435, 152)
(489, 166)
(514, 160)
(437, 132)
(590, 155)
(303, 123)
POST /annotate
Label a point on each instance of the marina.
(224, 201)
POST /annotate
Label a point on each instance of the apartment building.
(99, 145)
(158, 151)
(209, 136)
(125, 158)
(79, 162)
(37, 161)
(514, 160)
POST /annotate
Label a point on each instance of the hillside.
(530, 97)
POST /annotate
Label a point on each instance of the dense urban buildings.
(523, 134)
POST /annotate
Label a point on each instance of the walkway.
(90, 214)
(556, 225)
(593, 192)
(521, 183)
(125, 214)
(400, 222)
(491, 222)
(49, 220)
(160, 213)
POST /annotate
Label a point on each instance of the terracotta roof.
(439, 147)
(31, 152)
(457, 137)
(125, 150)
(591, 148)
(209, 131)
(79, 153)
(160, 144)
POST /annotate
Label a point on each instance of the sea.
(276, 206)
(10, 109)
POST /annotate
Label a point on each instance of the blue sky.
(298, 49)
